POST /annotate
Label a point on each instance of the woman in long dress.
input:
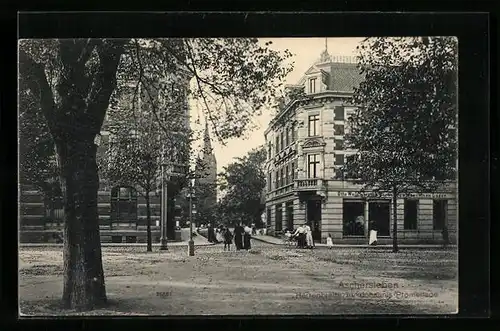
(309, 237)
(373, 233)
(300, 234)
(246, 237)
(218, 236)
(238, 236)
(210, 232)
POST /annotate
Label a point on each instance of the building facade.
(121, 208)
(305, 143)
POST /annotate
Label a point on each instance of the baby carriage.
(289, 239)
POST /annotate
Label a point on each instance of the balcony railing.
(305, 183)
(280, 191)
(309, 184)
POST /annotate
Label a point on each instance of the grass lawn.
(266, 280)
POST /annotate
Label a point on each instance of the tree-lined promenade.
(404, 134)
(71, 83)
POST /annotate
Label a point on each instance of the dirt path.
(267, 280)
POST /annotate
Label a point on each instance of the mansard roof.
(344, 77)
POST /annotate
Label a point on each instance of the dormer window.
(312, 85)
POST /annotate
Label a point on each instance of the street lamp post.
(191, 242)
(164, 207)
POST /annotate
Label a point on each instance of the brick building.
(122, 210)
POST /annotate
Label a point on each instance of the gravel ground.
(268, 279)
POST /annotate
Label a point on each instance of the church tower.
(206, 182)
(208, 158)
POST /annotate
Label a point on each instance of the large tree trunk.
(395, 220)
(83, 271)
(148, 223)
(74, 117)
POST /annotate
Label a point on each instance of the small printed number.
(163, 294)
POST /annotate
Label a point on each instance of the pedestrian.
(246, 237)
(254, 229)
(309, 237)
(228, 239)
(373, 233)
(210, 233)
(329, 241)
(300, 234)
(238, 236)
(218, 236)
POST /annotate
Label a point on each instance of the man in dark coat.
(238, 236)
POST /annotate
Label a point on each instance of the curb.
(172, 244)
(364, 245)
(183, 244)
(207, 243)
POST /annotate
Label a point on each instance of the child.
(228, 239)
(373, 234)
(329, 241)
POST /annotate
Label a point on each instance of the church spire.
(207, 144)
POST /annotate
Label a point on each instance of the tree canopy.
(404, 130)
(37, 163)
(243, 183)
(73, 81)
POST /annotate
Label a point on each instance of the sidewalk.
(278, 241)
(199, 241)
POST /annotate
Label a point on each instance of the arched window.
(123, 204)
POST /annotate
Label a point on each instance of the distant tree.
(206, 203)
(404, 130)
(243, 182)
(74, 79)
(37, 153)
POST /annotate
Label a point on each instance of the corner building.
(305, 143)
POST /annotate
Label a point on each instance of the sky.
(306, 51)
